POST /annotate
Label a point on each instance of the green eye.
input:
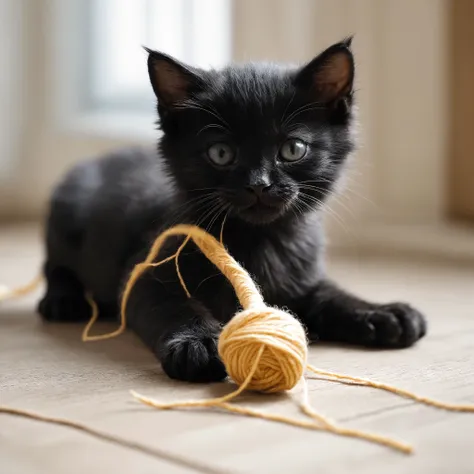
(221, 154)
(293, 150)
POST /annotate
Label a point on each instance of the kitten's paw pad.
(393, 325)
(192, 356)
(67, 308)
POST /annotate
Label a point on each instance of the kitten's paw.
(67, 308)
(191, 355)
(392, 325)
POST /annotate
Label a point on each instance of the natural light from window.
(197, 32)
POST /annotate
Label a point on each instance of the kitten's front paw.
(392, 325)
(191, 355)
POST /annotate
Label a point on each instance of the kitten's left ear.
(329, 76)
(172, 81)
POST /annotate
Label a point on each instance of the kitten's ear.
(329, 76)
(172, 81)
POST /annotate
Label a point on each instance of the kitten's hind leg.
(64, 299)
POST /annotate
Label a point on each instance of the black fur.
(105, 213)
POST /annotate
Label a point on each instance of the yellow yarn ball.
(284, 356)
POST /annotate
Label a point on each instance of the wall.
(396, 190)
(401, 51)
(12, 103)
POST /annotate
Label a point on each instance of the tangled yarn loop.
(273, 336)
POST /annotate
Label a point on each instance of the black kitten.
(259, 145)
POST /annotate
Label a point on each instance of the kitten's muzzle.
(260, 195)
(262, 205)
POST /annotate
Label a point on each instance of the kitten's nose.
(258, 189)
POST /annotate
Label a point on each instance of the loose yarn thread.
(7, 293)
(262, 348)
(110, 438)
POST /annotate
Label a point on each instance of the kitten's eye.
(293, 149)
(221, 154)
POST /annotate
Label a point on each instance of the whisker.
(207, 215)
(206, 279)
(299, 208)
(325, 208)
(297, 126)
(283, 117)
(333, 196)
(218, 211)
(211, 125)
(302, 109)
(190, 104)
(194, 207)
(201, 189)
(192, 203)
(345, 188)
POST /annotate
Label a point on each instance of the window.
(194, 31)
(106, 74)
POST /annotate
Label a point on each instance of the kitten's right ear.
(172, 81)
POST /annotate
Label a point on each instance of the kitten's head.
(263, 141)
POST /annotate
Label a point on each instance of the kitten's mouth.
(260, 213)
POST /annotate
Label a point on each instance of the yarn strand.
(139, 269)
(92, 321)
(232, 408)
(245, 289)
(263, 348)
(322, 423)
(255, 311)
(281, 339)
(210, 402)
(396, 391)
(102, 435)
(12, 293)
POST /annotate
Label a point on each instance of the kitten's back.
(102, 210)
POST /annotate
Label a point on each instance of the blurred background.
(74, 84)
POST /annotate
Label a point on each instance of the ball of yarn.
(284, 343)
